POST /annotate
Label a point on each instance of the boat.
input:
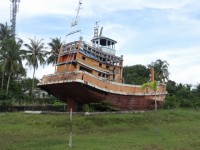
(90, 72)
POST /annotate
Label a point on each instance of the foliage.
(14, 85)
(136, 74)
(103, 106)
(161, 70)
(55, 46)
(11, 63)
(171, 102)
(35, 55)
(26, 84)
(5, 35)
(139, 74)
(180, 95)
(152, 85)
(5, 32)
(87, 108)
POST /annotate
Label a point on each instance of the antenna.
(14, 8)
(75, 21)
(100, 34)
(96, 29)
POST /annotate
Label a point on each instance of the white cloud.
(36, 8)
(30, 8)
(116, 5)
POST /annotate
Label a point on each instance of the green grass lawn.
(172, 130)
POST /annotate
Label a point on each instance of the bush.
(103, 106)
(87, 108)
(171, 102)
(5, 102)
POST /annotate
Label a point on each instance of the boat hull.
(78, 88)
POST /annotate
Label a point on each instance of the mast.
(14, 8)
(75, 21)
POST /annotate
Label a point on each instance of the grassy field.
(172, 130)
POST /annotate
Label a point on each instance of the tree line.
(179, 95)
(13, 52)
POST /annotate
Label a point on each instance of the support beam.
(71, 104)
(152, 73)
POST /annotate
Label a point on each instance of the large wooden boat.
(92, 73)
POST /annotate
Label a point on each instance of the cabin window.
(85, 69)
(74, 56)
(107, 67)
(83, 57)
(109, 43)
(100, 64)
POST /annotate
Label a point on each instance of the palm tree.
(153, 86)
(161, 70)
(55, 46)
(34, 55)
(1, 70)
(11, 63)
(5, 33)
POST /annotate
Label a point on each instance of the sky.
(146, 30)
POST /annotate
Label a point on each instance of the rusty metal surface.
(100, 84)
(73, 86)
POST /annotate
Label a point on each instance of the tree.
(55, 46)
(161, 70)
(34, 55)
(11, 63)
(136, 74)
(196, 91)
(171, 87)
(5, 33)
(26, 84)
(153, 86)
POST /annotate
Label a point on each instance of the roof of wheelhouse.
(103, 40)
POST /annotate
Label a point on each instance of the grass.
(176, 129)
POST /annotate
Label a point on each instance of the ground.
(163, 130)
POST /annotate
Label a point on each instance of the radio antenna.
(14, 8)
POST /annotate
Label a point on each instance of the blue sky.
(146, 30)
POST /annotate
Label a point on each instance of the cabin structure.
(97, 58)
